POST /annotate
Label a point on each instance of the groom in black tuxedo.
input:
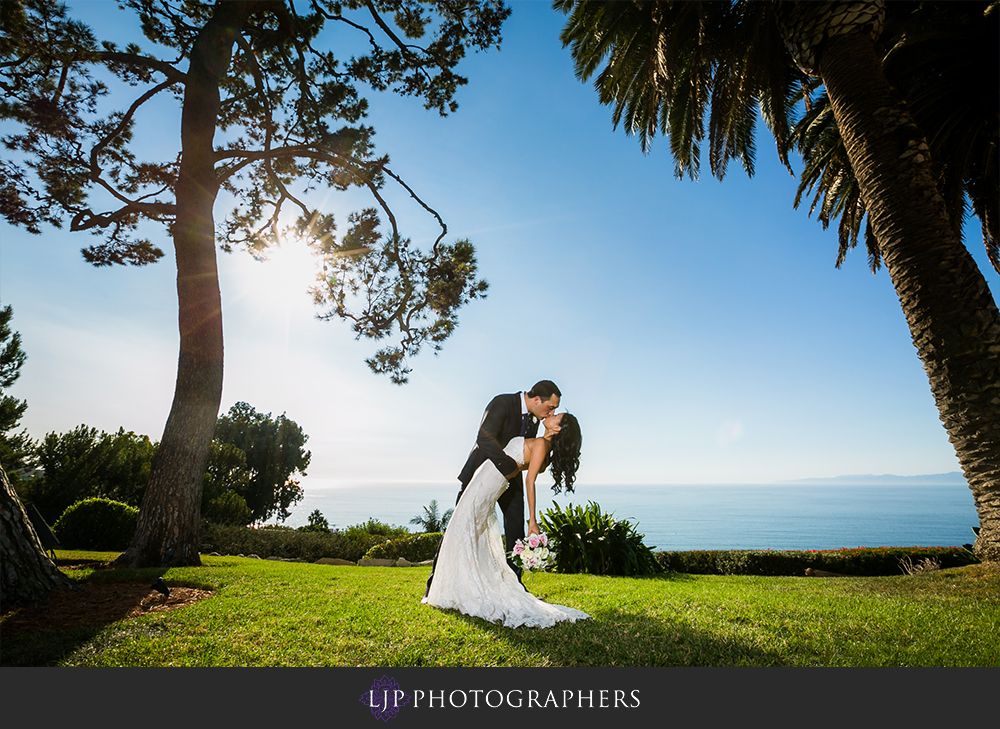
(506, 417)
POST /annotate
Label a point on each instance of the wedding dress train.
(472, 574)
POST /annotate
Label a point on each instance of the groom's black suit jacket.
(501, 422)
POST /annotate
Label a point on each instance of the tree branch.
(174, 75)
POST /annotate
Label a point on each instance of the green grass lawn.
(267, 613)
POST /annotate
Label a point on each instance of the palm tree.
(430, 521)
(942, 58)
(668, 65)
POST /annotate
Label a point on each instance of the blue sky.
(699, 330)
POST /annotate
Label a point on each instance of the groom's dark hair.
(544, 389)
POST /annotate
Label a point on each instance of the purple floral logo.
(385, 698)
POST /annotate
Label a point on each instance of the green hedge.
(97, 523)
(875, 561)
(418, 548)
(282, 542)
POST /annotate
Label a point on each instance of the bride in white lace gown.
(472, 574)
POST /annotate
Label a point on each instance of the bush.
(374, 527)
(229, 508)
(415, 548)
(97, 523)
(588, 540)
(283, 542)
(372, 532)
(306, 544)
(877, 561)
(317, 523)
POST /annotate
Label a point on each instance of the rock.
(810, 572)
(375, 563)
(333, 560)
(401, 562)
(425, 563)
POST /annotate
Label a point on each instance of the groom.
(507, 417)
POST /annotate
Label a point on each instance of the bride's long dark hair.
(566, 453)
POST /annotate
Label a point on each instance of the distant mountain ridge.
(955, 478)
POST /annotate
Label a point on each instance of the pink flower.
(534, 541)
(518, 547)
(543, 539)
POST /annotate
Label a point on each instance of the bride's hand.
(533, 528)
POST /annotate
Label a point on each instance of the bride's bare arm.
(539, 448)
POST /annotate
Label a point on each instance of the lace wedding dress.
(472, 574)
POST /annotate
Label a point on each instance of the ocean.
(679, 517)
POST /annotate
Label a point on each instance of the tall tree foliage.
(269, 109)
(274, 455)
(943, 59)
(687, 68)
(87, 463)
(15, 448)
(223, 498)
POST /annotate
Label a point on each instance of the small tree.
(317, 523)
(430, 521)
(275, 454)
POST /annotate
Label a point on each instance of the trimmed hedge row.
(874, 561)
(283, 542)
(418, 548)
(310, 546)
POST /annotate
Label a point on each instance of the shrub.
(372, 532)
(287, 543)
(588, 540)
(97, 523)
(415, 548)
(229, 508)
(317, 523)
(861, 561)
(279, 541)
(374, 527)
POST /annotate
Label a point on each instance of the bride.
(472, 574)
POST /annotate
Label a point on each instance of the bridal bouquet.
(534, 553)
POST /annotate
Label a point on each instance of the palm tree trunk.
(167, 532)
(953, 317)
(27, 575)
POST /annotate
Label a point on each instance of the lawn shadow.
(623, 639)
(44, 633)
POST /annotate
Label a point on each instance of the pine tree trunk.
(167, 532)
(27, 575)
(953, 317)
